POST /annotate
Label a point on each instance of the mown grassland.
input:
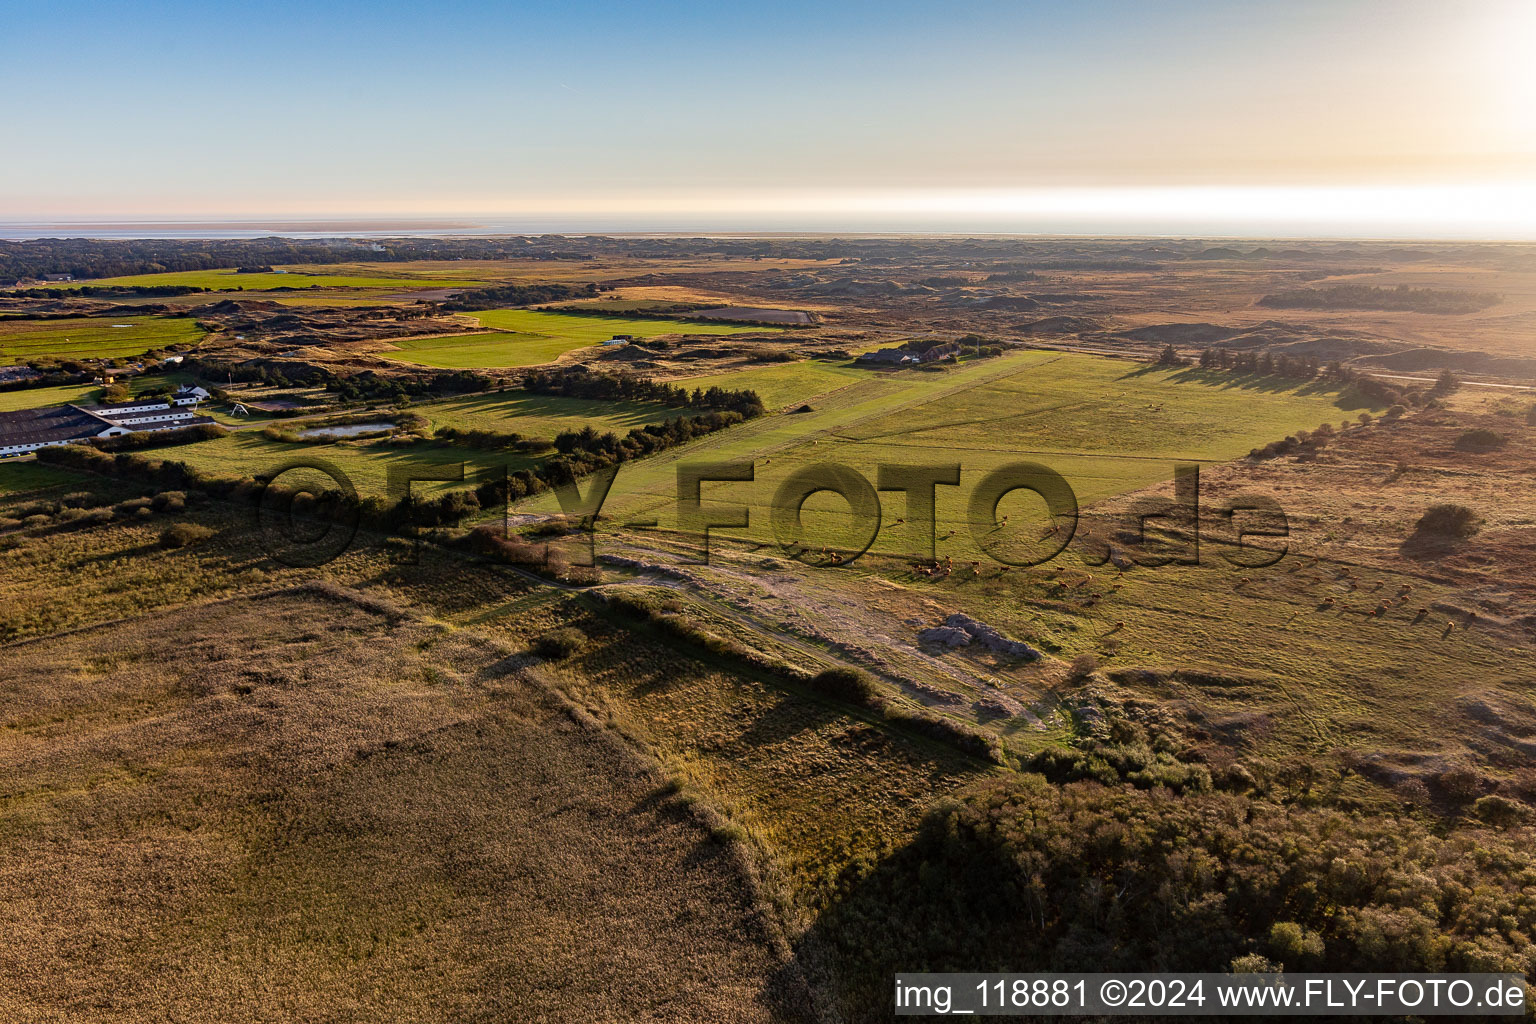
(1107, 426)
(17, 477)
(497, 351)
(529, 337)
(92, 337)
(350, 815)
(542, 416)
(36, 398)
(785, 383)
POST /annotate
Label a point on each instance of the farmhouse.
(58, 277)
(888, 357)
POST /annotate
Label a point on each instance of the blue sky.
(180, 109)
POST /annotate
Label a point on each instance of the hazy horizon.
(1352, 119)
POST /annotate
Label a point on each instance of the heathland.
(1281, 722)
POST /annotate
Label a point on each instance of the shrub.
(1480, 440)
(1497, 810)
(559, 644)
(184, 535)
(846, 683)
(1449, 520)
(160, 438)
(1083, 666)
(131, 507)
(1446, 383)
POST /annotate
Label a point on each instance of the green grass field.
(36, 398)
(98, 337)
(476, 351)
(227, 280)
(542, 415)
(533, 337)
(786, 383)
(16, 477)
(1107, 426)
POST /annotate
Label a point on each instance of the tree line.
(574, 383)
(517, 295)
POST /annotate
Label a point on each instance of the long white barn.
(24, 432)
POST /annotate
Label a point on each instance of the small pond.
(350, 430)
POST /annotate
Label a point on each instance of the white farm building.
(24, 432)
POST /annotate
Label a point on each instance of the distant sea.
(766, 226)
(22, 230)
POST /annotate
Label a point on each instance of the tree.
(1446, 383)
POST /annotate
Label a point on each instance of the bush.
(1498, 810)
(1449, 520)
(184, 535)
(1445, 384)
(559, 644)
(846, 683)
(160, 438)
(1480, 440)
(131, 507)
(1083, 666)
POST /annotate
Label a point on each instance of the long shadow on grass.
(789, 716)
(1268, 383)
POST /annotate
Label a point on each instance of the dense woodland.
(1024, 875)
